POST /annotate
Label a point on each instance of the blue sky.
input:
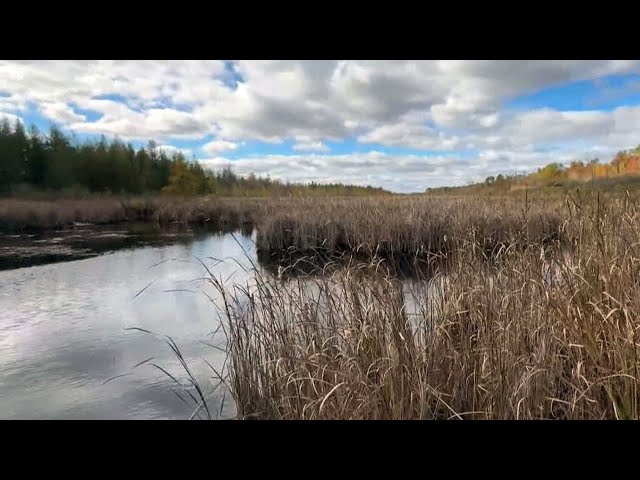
(402, 125)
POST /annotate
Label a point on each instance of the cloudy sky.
(402, 125)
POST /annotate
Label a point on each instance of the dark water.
(63, 329)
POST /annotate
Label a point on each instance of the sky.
(397, 124)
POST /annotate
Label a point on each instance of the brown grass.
(406, 227)
(390, 227)
(538, 330)
(18, 215)
(531, 308)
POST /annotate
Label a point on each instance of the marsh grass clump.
(403, 229)
(541, 329)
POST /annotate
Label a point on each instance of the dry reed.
(539, 330)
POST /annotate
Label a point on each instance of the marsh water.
(85, 314)
(68, 328)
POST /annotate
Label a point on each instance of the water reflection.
(71, 333)
(63, 330)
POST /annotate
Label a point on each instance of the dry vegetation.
(21, 215)
(530, 308)
(542, 328)
(406, 227)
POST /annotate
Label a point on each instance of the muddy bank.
(83, 240)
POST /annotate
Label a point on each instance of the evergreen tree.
(56, 161)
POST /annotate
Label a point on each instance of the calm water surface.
(63, 331)
(69, 348)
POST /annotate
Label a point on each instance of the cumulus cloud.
(284, 99)
(546, 127)
(449, 106)
(310, 146)
(11, 103)
(395, 172)
(609, 93)
(10, 117)
(218, 146)
(401, 173)
(60, 112)
(153, 123)
(171, 149)
(410, 134)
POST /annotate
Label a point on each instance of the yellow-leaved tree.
(183, 179)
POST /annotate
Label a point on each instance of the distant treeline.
(623, 169)
(32, 161)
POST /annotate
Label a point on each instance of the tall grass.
(390, 227)
(406, 227)
(538, 330)
(531, 308)
(19, 215)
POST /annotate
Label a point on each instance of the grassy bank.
(26, 215)
(537, 332)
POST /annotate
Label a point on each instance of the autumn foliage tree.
(186, 178)
(625, 163)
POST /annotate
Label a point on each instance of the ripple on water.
(62, 330)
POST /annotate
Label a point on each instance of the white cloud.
(447, 105)
(395, 172)
(11, 103)
(218, 146)
(10, 117)
(60, 112)
(153, 123)
(538, 129)
(171, 149)
(403, 173)
(546, 127)
(285, 99)
(310, 146)
(410, 134)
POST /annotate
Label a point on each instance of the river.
(68, 328)
(76, 307)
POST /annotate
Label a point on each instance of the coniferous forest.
(33, 161)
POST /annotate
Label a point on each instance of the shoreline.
(80, 241)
